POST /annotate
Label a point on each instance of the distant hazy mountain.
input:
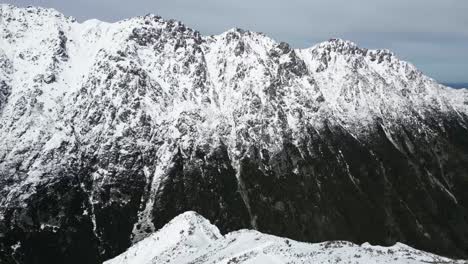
(457, 85)
(109, 131)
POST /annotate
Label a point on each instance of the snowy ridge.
(189, 238)
(121, 112)
(193, 90)
(186, 233)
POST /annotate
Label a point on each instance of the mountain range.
(457, 85)
(110, 130)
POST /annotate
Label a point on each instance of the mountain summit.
(189, 238)
(110, 130)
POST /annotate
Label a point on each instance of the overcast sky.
(433, 34)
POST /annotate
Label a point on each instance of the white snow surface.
(87, 86)
(190, 238)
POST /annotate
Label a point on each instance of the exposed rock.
(144, 119)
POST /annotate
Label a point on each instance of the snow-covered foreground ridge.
(110, 130)
(190, 238)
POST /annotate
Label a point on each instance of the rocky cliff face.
(108, 131)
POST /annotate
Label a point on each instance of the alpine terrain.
(110, 130)
(189, 238)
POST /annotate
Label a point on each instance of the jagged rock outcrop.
(108, 131)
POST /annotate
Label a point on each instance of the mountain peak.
(9, 12)
(238, 33)
(188, 232)
(247, 246)
(338, 42)
(338, 46)
(191, 218)
(117, 126)
(346, 47)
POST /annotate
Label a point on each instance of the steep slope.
(186, 234)
(108, 131)
(189, 238)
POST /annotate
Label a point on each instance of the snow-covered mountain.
(108, 131)
(190, 238)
